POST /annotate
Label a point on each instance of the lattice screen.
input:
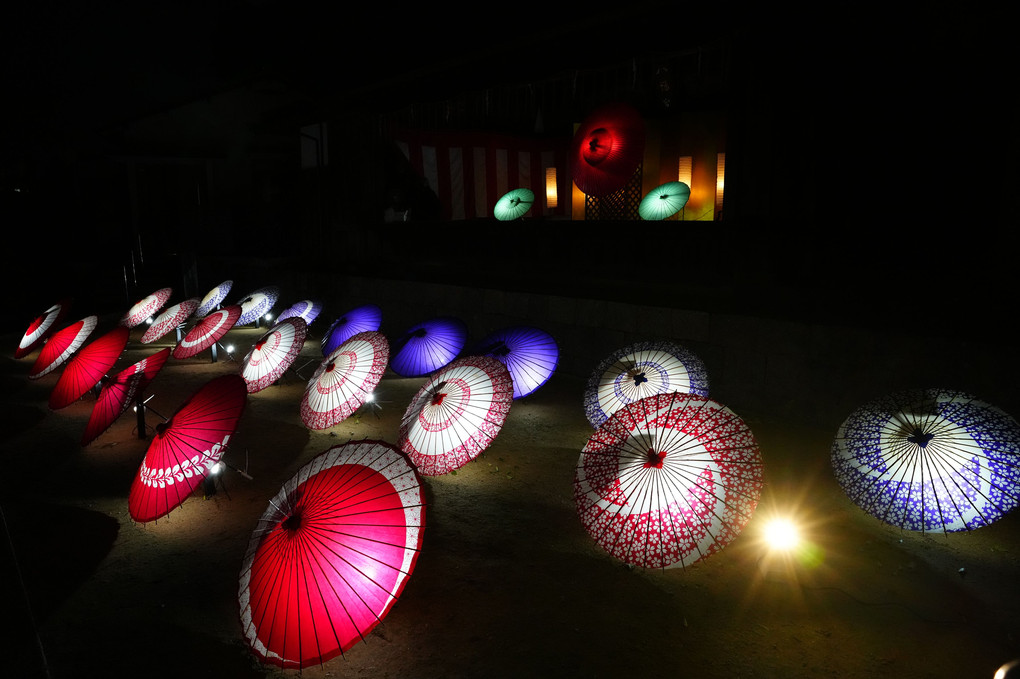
(619, 205)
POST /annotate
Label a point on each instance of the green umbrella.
(664, 201)
(513, 204)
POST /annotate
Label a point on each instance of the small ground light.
(268, 317)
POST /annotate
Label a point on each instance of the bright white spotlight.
(781, 534)
(370, 397)
(216, 468)
(230, 348)
(268, 317)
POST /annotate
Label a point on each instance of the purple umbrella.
(367, 318)
(213, 298)
(528, 353)
(258, 303)
(428, 346)
(307, 310)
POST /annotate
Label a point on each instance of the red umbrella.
(208, 331)
(88, 367)
(169, 319)
(41, 327)
(607, 148)
(456, 414)
(61, 345)
(119, 392)
(146, 307)
(185, 448)
(273, 353)
(344, 380)
(331, 554)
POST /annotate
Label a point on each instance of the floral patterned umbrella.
(257, 304)
(273, 353)
(61, 346)
(307, 310)
(169, 320)
(144, 308)
(213, 298)
(344, 380)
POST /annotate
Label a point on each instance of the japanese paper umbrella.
(61, 346)
(428, 346)
(639, 370)
(86, 368)
(456, 414)
(668, 480)
(344, 380)
(144, 308)
(514, 204)
(169, 319)
(530, 354)
(213, 298)
(257, 304)
(41, 327)
(664, 201)
(185, 448)
(360, 319)
(930, 460)
(307, 310)
(331, 554)
(120, 391)
(273, 353)
(208, 331)
(606, 149)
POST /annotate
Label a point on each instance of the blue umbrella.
(428, 346)
(530, 354)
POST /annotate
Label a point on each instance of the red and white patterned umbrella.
(88, 367)
(331, 554)
(120, 392)
(144, 308)
(213, 298)
(344, 380)
(668, 480)
(169, 319)
(186, 447)
(61, 345)
(41, 327)
(273, 353)
(456, 414)
(207, 332)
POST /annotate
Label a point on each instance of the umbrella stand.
(140, 408)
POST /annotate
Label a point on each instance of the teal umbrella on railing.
(664, 201)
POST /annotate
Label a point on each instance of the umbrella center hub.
(639, 378)
(291, 523)
(261, 343)
(654, 459)
(437, 398)
(920, 438)
(329, 368)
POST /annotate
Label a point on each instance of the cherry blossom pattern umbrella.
(607, 148)
(344, 380)
(331, 554)
(456, 414)
(144, 308)
(169, 320)
(257, 304)
(428, 346)
(120, 391)
(530, 354)
(273, 353)
(514, 204)
(88, 367)
(664, 201)
(639, 370)
(186, 447)
(39, 329)
(364, 318)
(668, 480)
(59, 348)
(933, 460)
(212, 299)
(307, 310)
(207, 332)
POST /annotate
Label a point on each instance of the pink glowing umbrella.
(257, 304)
(120, 392)
(169, 319)
(41, 327)
(61, 345)
(88, 367)
(456, 414)
(213, 298)
(144, 308)
(428, 346)
(344, 380)
(668, 480)
(207, 332)
(360, 319)
(186, 447)
(331, 554)
(273, 353)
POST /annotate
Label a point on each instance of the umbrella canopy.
(273, 353)
(88, 367)
(530, 354)
(169, 319)
(514, 204)
(331, 554)
(144, 308)
(360, 319)
(208, 331)
(257, 304)
(607, 148)
(307, 310)
(639, 370)
(185, 448)
(344, 380)
(664, 201)
(120, 392)
(668, 480)
(930, 460)
(429, 346)
(456, 414)
(213, 298)
(41, 327)
(61, 345)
